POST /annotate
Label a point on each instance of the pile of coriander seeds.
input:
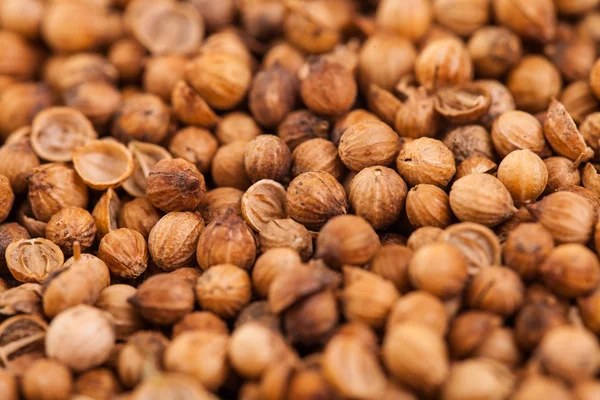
(299, 199)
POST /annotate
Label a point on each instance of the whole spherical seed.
(164, 299)
(139, 215)
(237, 125)
(81, 337)
(253, 347)
(226, 240)
(222, 79)
(518, 130)
(46, 380)
(70, 225)
(216, 202)
(496, 289)
(494, 51)
(347, 239)
(228, 41)
(385, 71)
(367, 144)
(391, 262)
(574, 56)
(285, 54)
(410, 20)
(416, 355)
(175, 185)
(481, 198)
(273, 95)
(317, 155)
(462, 18)
(194, 145)
(98, 101)
(300, 126)
(469, 141)
(443, 63)
(439, 269)
(286, 233)
(20, 57)
(17, 159)
(428, 205)
(562, 173)
(570, 270)
(55, 186)
(581, 362)
(143, 117)
(20, 104)
(534, 81)
(125, 253)
(524, 188)
(172, 241)
(314, 29)
(315, 197)
(127, 56)
(526, 247)
(267, 157)
(227, 167)
(535, 20)
(162, 73)
(426, 160)
(367, 297)
(24, 18)
(224, 289)
(206, 349)
(328, 89)
(421, 307)
(346, 121)
(534, 321)
(377, 194)
(568, 217)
